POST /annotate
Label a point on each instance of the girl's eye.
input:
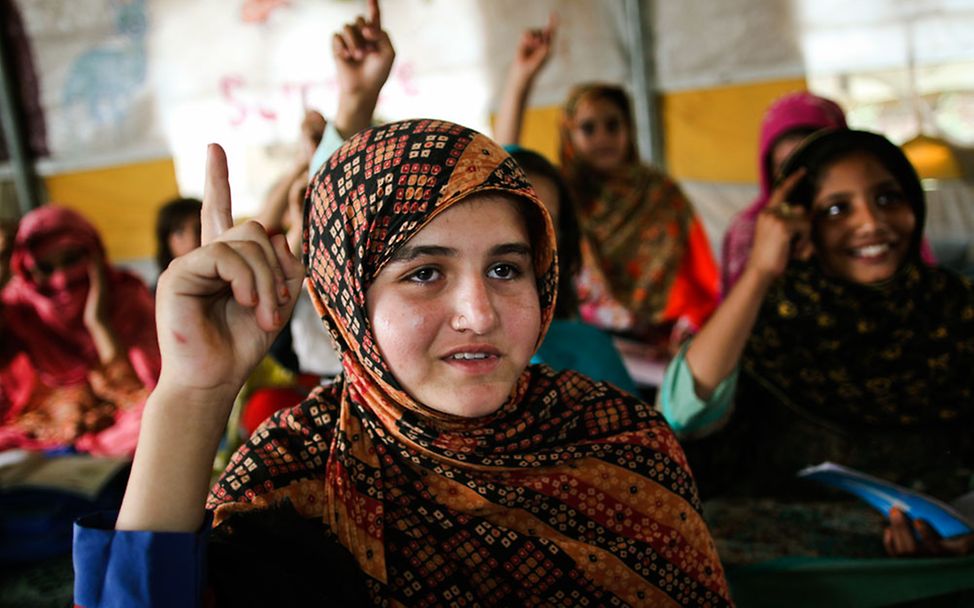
(890, 199)
(424, 275)
(832, 210)
(504, 272)
(613, 126)
(587, 128)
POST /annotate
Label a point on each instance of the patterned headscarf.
(571, 493)
(895, 354)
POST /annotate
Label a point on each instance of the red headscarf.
(45, 320)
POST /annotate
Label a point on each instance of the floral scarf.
(571, 493)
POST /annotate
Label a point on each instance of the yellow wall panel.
(540, 130)
(120, 201)
(712, 134)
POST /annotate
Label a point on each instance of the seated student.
(647, 268)
(570, 343)
(836, 343)
(449, 469)
(177, 230)
(787, 122)
(78, 352)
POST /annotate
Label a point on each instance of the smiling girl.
(837, 342)
(444, 467)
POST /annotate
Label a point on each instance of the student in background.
(787, 122)
(177, 230)
(836, 343)
(570, 343)
(79, 350)
(647, 269)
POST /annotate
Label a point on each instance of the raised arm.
(363, 55)
(275, 206)
(782, 231)
(532, 53)
(218, 309)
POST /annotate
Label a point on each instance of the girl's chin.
(471, 406)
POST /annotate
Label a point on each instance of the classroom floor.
(45, 584)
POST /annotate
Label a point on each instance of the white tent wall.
(134, 89)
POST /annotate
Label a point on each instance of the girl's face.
(456, 312)
(69, 260)
(186, 236)
(600, 133)
(547, 191)
(862, 219)
(781, 150)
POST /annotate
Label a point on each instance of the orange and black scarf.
(572, 493)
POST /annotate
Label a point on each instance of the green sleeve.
(331, 140)
(689, 415)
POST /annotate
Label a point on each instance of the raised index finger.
(552, 23)
(786, 185)
(375, 17)
(215, 216)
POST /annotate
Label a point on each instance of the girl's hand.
(96, 314)
(363, 54)
(96, 304)
(219, 307)
(904, 538)
(782, 231)
(534, 49)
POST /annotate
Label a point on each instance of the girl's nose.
(868, 215)
(474, 309)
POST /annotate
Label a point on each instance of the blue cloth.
(589, 350)
(136, 568)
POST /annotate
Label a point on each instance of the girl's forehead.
(480, 215)
(854, 163)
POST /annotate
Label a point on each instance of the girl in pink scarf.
(787, 122)
(79, 347)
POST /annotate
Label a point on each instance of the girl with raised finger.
(837, 343)
(440, 468)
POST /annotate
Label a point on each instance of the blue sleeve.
(331, 140)
(686, 413)
(137, 568)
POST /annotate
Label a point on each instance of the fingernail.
(254, 297)
(284, 293)
(277, 318)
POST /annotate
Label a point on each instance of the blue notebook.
(947, 520)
